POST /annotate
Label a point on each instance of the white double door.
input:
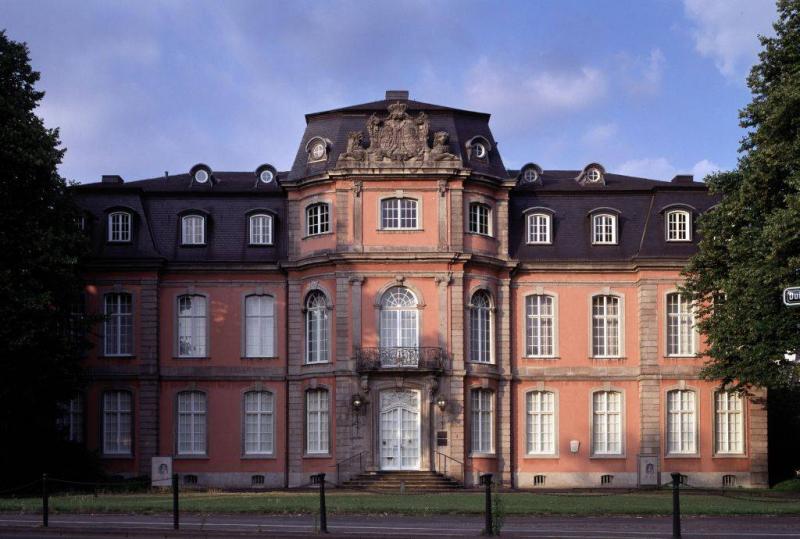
(400, 430)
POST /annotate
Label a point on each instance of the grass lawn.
(513, 503)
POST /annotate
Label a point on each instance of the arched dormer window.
(193, 229)
(539, 228)
(316, 327)
(260, 229)
(120, 226)
(604, 229)
(679, 225)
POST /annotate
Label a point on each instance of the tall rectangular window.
(604, 229)
(117, 423)
(479, 219)
(261, 229)
(539, 327)
(399, 213)
(605, 326)
(119, 226)
(681, 422)
(118, 325)
(71, 421)
(539, 228)
(317, 421)
(258, 423)
(541, 422)
(680, 326)
(482, 421)
(192, 326)
(728, 422)
(678, 226)
(259, 326)
(193, 230)
(607, 423)
(480, 328)
(316, 327)
(191, 423)
(317, 219)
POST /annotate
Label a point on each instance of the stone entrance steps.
(402, 481)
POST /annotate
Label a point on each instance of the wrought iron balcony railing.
(400, 357)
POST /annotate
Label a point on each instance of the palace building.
(399, 300)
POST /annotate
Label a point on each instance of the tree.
(750, 246)
(41, 340)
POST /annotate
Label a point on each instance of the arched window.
(259, 326)
(316, 328)
(482, 421)
(399, 319)
(604, 229)
(680, 325)
(398, 213)
(119, 226)
(539, 228)
(317, 219)
(259, 431)
(681, 422)
(679, 225)
(193, 230)
(192, 324)
(317, 423)
(607, 423)
(480, 327)
(118, 325)
(728, 422)
(261, 229)
(117, 423)
(540, 422)
(539, 332)
(192, 431)
(606, 326)
(480, 219)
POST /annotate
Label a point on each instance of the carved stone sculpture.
(441, 147)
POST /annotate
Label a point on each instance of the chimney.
(112, 178)
(683, 178)
(396, 94)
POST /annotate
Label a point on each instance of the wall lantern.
(441, 402)
(357, 402)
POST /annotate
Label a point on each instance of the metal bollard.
(175, 509)
(45, 502)
(486, 480)
(676, 505)
(323, 517)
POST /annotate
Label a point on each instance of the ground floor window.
(482, 421)
(191, 423)
(317, 421)
(117, 423)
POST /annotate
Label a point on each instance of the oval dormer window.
(266, 176)
(479, 150)
(594, 175)
(317, 150)
(201, 176)
(530, 175)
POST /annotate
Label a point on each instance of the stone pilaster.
(759, 464)
(501, 224)
(455, 409)
(342, 313)
(649, 379)
(456, 220)
(503, 358)
(358, 220)
(442, 211)
(294, 228)
(342, 219)
(296, 438)
(355, 309)
(147, 443)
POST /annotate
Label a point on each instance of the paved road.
(220, 525)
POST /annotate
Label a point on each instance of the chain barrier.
(20, 487)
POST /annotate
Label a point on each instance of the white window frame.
(537, 324)
(317, 421)
(482, 421)
(192, 327)
(604, 229)
(539, 228)
(72, 419)
(481, 328)
(681, 333)
(540, 422)
(317, 327)
(193, 229)
(678, 225)
(397, 221)
(318, 219)
(122, 230)
(729, 409)
(399, 322)
(480, 219)
(190, 440)
(600, 332)
(118, 324)
(604, 418)
(118, 412)
(261, 229)
(681, 437)
(259, 326)
(258, 423)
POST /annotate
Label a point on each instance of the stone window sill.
(400, 230)
(540, 457)
(258, 358)
(682, 456)
(320, 235)
(317, 456)
(266, 456)
(729, 456)
(483, 455)
(607, 457)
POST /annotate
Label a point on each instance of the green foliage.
(750, 246)
(41, 245)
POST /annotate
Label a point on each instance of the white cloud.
(600, 135)
(703, 168)
(660, 168)
(727, 31)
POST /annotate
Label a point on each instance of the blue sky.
(645, 87)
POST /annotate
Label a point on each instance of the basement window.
(189, 479)
(538, 480)
(728, 480)
(257, 480)
(606, 479)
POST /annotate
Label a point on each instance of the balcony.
(428, 358)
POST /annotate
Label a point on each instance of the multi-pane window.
(192, 326)
(605, 326)
(399, 324)
(604, 228)
(258, 423)
(728, 422)
(540, 422)
(479, 219)
(119, 226)
(193, 230)
(117, 422)
(317, 421)
(259, 326)
(539, 326)
(681, 422)
(607, 423)
(539, 228)
(480, 328)
(482, 421)
(316, 328)
(679, 226)
(192, 423)
(118, 325)
(680, 325)
(70, 421)
(261, 229)
(317, 219)
(398, 213)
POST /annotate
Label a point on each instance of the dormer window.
(201, 176)
(266, 176)
(119, 226)
(193, 230)
(480, 219)
(679, 225)
(539, 228)
(593, 175)
(530, 175)
(261, 229)
(317, 149)
(479, 150)
(604, 229)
